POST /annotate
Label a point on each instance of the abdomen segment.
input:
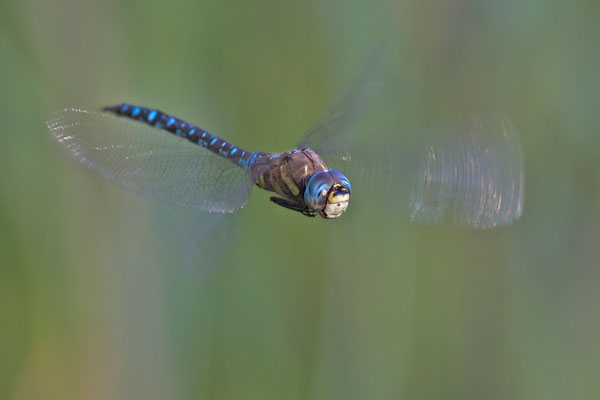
(194, 134)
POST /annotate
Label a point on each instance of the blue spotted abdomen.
(194, 134)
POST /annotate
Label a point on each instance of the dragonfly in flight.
(467, 175)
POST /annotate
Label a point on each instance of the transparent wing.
(197, 240)
(331, 132)
(471, 174)
(151, 162)
(467, 175)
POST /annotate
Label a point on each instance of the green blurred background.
(367, 307)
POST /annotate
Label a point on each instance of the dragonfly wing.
(331, 131)
(199, 241)
(468, 175)
(151, 162)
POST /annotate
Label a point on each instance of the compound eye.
(315, 195)
(341, 179)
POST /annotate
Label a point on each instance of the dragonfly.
(468, 174)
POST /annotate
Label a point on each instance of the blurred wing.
(197, 240)
(151, 162)
(468, 175)
(331, 130)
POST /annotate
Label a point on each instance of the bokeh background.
(367, 307)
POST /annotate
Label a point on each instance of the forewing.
(150, 161)
(331, 132)
(467, 175)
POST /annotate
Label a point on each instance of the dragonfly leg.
(301, 208)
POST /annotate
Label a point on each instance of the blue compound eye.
(340, 178)
(319, 185)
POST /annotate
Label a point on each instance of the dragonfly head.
(328, 192)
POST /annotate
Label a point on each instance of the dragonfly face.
(328, 192)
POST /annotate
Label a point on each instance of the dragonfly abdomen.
(194, 134)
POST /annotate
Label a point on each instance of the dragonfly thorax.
(328, 192)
